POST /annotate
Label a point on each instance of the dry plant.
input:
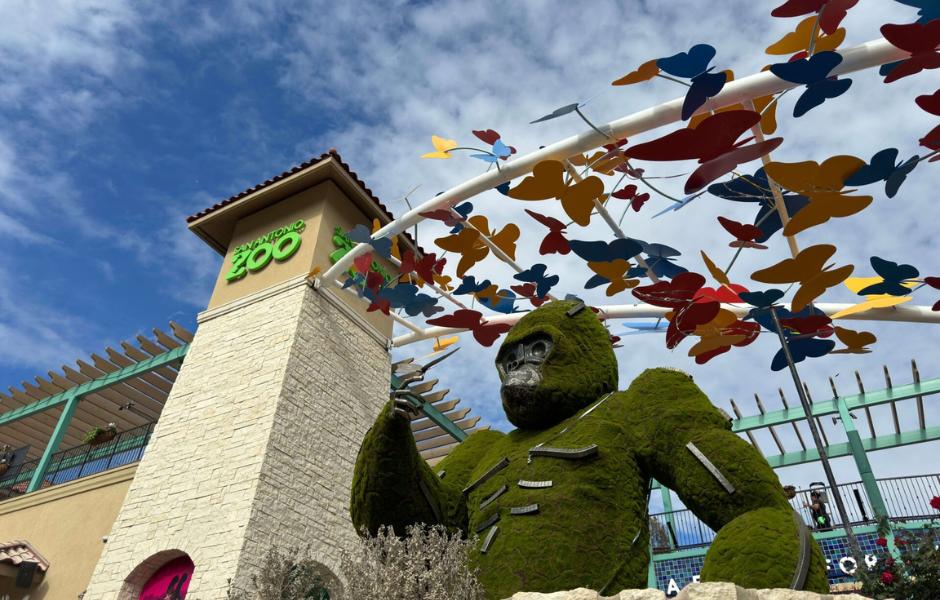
(429, 563)
(285, 575)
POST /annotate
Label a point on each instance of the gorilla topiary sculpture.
(561, 502)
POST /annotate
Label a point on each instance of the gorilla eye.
(539, 349)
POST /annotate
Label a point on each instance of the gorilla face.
(521, 363)
(552, 363)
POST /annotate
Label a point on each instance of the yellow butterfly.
(856, 284)
(442, 146)
(548, 181)
(440, 344)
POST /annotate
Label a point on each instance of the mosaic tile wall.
(674, 574)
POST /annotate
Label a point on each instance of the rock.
(578, 594)
(695, 591)
(647, 594)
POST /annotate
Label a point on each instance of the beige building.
(227, 442)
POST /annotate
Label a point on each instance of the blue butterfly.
(678, 205)
(764, 299)
(882, 167)
(814, 74)
(756, 188)
(504, 302)
(405, 295)
(463, 210)
(362, 235)
(645, 327)
(625, 249)
(693, 65)
(469, 285)
(536, 274)
(500, 150)
(928, 10)
(688, 64)
(894, 276)
(800, 349)
(657, 258)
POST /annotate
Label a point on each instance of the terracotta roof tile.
(19, 551)
(332, 153)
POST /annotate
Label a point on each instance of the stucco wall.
(255, 445)
(65, 523)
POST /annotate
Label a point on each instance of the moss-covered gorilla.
(590, 527)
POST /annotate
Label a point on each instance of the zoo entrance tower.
(256, 445)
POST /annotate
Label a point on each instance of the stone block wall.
(254, 447)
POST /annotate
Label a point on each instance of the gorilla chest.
(565, 490)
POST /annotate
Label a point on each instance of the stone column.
(256, 444)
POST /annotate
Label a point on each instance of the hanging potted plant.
(6, 455)
(101, 435)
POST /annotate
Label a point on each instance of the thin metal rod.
(774, 188)
(796, 430)
(823, 456)
(602, 211)
(863, 56)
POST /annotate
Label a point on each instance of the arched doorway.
(169, 581)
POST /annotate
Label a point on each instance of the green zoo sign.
(278, 245)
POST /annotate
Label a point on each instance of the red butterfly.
(527, 290)
(381, 304)
(929, 102)
(713, 142)
(726, 294)
(671, 294)
(921, 40)
(835, 11)
(484, 333)
(490, 137)
(629, 193)
(374, 281)
(934, 282)
(425, 268)
(744, 234)
(363, 263)
(815, 325)
(555, 242)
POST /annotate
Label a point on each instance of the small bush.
(429, 563)
(284, 577)
(915, 575)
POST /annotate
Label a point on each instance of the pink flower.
(887, 578)
(935, 502)
(882, 542)
(889, 562)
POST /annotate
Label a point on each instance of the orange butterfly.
(810, 270)
(469, 244)
(822, 184)
(800, 39)
(644, 72)
(615, 272)
(548, 181)
(855, 341)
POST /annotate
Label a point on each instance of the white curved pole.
(865, 56)
(908, 314)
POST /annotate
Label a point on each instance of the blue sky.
(119, 118)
